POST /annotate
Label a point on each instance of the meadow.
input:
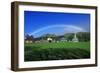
(56, 51)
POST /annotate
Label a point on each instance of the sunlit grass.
(81, 45)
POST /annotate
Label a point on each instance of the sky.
(38, 23)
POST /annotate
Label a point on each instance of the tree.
(45, 36)
(29, 37)
(69, 36)
(83, 36)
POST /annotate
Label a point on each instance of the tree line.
(82, 36)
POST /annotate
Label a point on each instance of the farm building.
(28, 39)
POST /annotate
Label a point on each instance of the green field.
(56, 51)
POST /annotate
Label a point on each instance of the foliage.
(29, 37)
(45, 36)
(69, 36)
(83, 36)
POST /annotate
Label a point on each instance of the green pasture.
(81, 45)
(56, 51)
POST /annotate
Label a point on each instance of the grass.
(57, 51)
(83, 45)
